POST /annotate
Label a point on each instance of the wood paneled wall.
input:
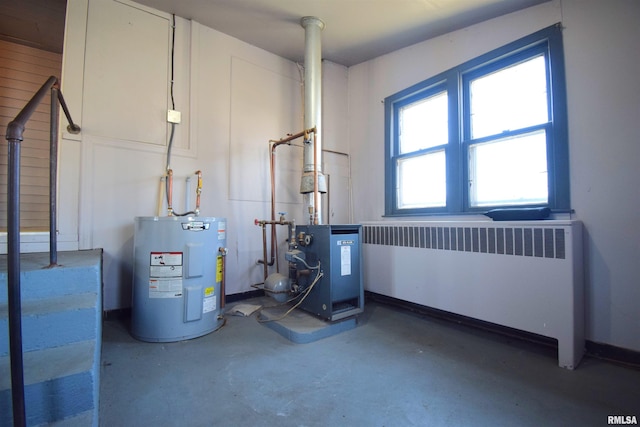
(23, 70)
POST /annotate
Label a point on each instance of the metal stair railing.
(15, 130)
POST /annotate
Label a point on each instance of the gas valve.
(304, 239)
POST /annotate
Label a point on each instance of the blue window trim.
(547, 41)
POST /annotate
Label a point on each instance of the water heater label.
(165, 275)
(195, 226)
(165, 288)
(219, 270)
(165, 271)
(209, 302)
(209, 305)
(166, 258)
(222, 230)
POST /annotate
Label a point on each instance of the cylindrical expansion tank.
(177, 273)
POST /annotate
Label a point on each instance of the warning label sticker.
(165, 275)
(166, 258)
(219, 270)
(209, 304)
(165, 288)
(222, 230)
(345, 260)
(166, 271)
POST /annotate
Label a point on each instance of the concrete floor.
(395, 368)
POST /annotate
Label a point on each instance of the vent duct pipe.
(313, 181)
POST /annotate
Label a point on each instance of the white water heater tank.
(177, 274)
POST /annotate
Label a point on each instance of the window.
(489, 133)
(422, 138)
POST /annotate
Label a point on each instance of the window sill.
(559, 214)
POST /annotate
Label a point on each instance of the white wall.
(109, 173)
(602, 66)
(233, 97)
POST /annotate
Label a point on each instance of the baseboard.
(614, 354)
(125, 313)
(117, 314)
(461, 320)
(243, 295)
(607, 352)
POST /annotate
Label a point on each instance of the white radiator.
(524, 275)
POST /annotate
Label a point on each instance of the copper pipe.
(291, 137)
(263, 223)
(223, 273)
(264, 249)
(272, 169)
(274, 234)
(160, 195)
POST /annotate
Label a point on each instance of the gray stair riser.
(56, 282)
(52, 305)
(54, 329)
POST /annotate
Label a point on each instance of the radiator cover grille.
(547, 242)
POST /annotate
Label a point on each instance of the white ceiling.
(355, 30)
(35, 23)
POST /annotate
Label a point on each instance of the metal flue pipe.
(312, 179)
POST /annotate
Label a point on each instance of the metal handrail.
(15, 130)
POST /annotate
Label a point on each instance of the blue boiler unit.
(336, 249)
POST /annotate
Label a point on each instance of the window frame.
(428, 92)
(455, 81)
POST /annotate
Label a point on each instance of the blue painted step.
(76, 273)
(52, 322)
(62, 332)
(58, 381)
